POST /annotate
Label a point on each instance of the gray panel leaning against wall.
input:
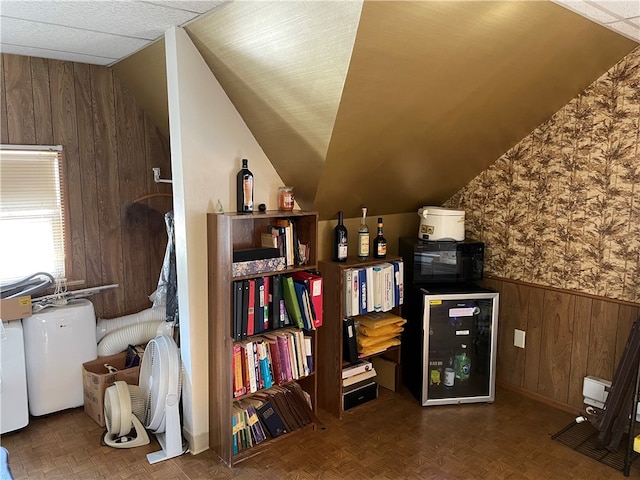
(562, 207)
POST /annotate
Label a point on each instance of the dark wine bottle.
(379, 243)
(339, 251)
(244, 185)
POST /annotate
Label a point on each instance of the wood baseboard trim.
(565, 407)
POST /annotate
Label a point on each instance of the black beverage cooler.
(449, 342)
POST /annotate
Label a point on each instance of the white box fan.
(160, 375)
(159, 393)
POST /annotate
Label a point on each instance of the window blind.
(32, 236)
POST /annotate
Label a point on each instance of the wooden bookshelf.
(226, 233)
(330, 343)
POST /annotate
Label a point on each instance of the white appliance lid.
(424, 211)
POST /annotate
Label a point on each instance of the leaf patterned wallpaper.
(562, 207)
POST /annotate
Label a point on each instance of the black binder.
(350, 347)
(237, 309)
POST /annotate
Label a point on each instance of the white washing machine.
(57, 341)
(14, 411)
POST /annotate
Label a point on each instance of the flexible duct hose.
(105, 326)
(136, 334)
(27, 286)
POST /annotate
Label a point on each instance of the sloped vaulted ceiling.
(397, 104)
(283, 65)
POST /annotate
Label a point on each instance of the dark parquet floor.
(390, 438)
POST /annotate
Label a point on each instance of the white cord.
(60, 291)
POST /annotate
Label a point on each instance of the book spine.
(234, 435)
(238, 379)
(377, 288)
(265, 369)
(293, 358)
(348, 285)
(388, 288)
(308, 351)
(370, 288)
(285, 360)
(275, 296)
(251, 308)
(251, 363)
(291, 301)
(256, 366)
(302, 357)
(237, 310)
(259, 307)
(274, 355)
(355, 293)
(362, 284)
(400, 280)
(265, 300)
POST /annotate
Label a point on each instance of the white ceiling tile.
(623, 9)
(195, 6)
(132, 19)
(587, 10)
(631, 31)
(65, 39)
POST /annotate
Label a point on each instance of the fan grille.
(159, 379)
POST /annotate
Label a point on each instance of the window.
(31, 211)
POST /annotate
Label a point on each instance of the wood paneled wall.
(568, 336)
(110, 147)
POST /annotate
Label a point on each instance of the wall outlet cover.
(518, 338)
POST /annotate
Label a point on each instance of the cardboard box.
(15, 308)
(96, 378)
(388, 374)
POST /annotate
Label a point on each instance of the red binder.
(314, 285)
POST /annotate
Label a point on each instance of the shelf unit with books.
(229, 233)
(330, 337)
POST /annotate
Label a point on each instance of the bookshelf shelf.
(330, 342)
(227, 233)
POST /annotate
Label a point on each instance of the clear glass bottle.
(379, 243)
(363, 237)
(244, 186)
(339, 247)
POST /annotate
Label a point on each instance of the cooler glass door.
(459, 344)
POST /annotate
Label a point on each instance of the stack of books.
(269, 414)
(375, 288)
(359, 384)
(267, 303)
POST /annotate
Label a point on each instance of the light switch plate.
(518, 338)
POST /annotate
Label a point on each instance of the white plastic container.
(14, 411)
(437, 223)
(58, 340)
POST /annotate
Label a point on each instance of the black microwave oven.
(442, 261)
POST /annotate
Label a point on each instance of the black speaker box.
(359, 396)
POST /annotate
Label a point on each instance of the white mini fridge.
(449, 344)
(58, 340)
